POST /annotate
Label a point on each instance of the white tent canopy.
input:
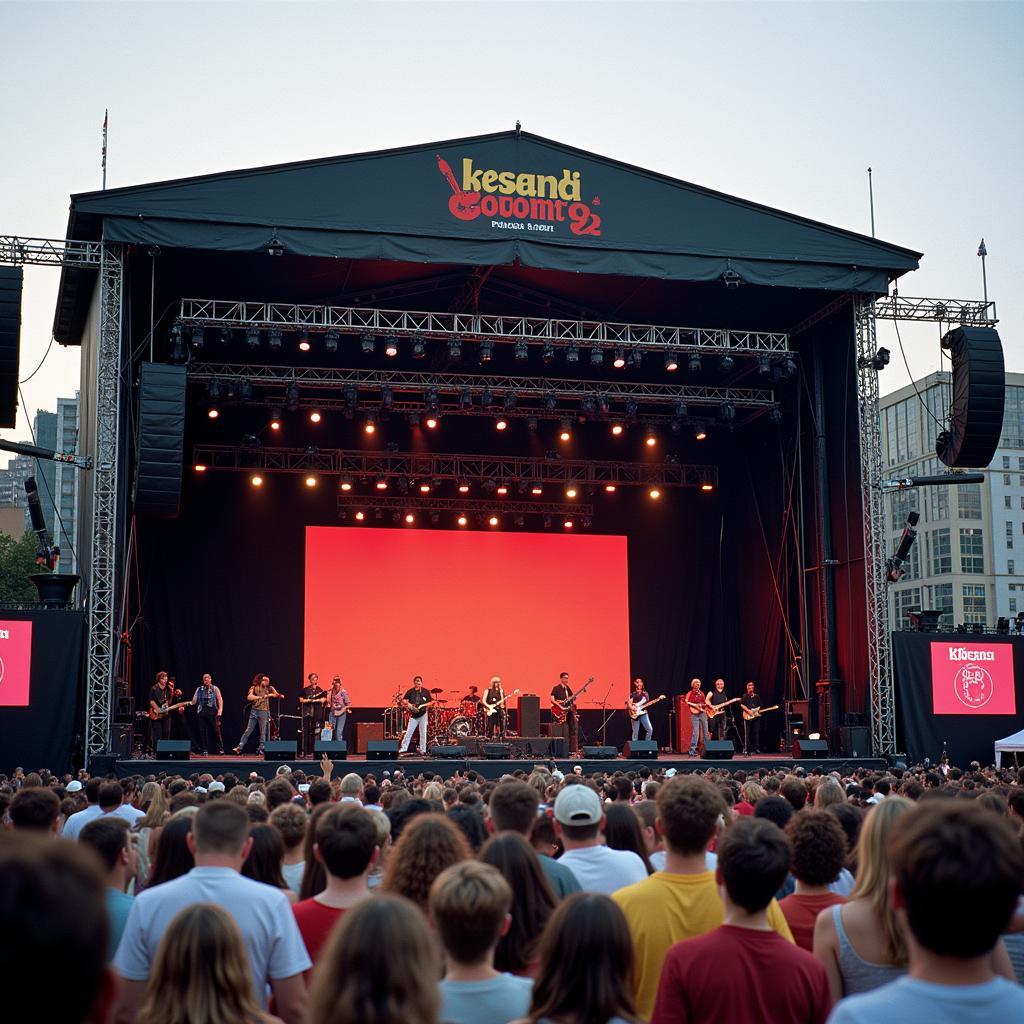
(1009, 745)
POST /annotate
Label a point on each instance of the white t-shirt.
(909, 1001)
(657, 860)
(602, 869)
(262, 912)
(79, 820)
(130, 814)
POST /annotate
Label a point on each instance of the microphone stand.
(607, 715)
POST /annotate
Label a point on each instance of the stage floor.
(489, 769)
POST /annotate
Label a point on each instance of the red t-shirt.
(802, 911)
(742, 807)
(696, 698)
(737, 974)
(315, 923)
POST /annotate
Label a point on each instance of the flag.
(103, 151)
(982, 251)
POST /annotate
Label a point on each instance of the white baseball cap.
(74, 786)
(578, 805)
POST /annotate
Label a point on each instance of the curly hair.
(819, 847)
(689, 809)
(429, 844)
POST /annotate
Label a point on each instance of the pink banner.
(972, 678)
(15, 662)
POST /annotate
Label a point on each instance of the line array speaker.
(161, 440)
(11, 279)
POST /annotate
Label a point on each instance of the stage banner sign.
(15, 663)
(973, 679)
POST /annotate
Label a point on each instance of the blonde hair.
(752, 792)
(873, 871)
(828, 792)
(433, 791)
(154, 800)
(201, 973)
(380, 966)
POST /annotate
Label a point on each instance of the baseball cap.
(578, 805)
(670, 774)
(216, 787)
(284, 770)
(74, 786)
(201, 789)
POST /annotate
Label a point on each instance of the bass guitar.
(560, 708)
(492, 709)
(751, 714)
(716, 709)
(166, 710)
(640, 708)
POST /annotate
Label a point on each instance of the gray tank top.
(858, 974)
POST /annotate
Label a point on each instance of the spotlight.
(243, 389)
(572, 354)
(454, 349)
(565, 434)
(391, 346)
(654, 493)
(603, 405)
(764, 366)
(225, 335)
(536, 490)
(351, 397)
(522, 352)
(493, 521)
(414, 420)
(419, 349)
(463, 487)
(881, 360)
(382, 485)
(410, 518)
(707, 486)
(252, 337)
(213, 412)
(387, 397)
(256, 480)
(486, 399)
(652, 437)
(490, 486)
(636, 357)
(371, 424)
(502, 489)
(731, 279)
(693, 363)
(431, 422)
(521, 521)
(571, 491)
(315, 417)
(728, 412)
(331, 341)
(510, 401)
(304, 345)
(424, 488)
(274, 337)
(726, 363)
(775, 415)
(291, 396)
(198, 336)
(275, 419)
(345, 483)
(680, 410)
(617, 429)
(501, 423)
(671, 362)
(462, 520)
(403, 485)
(360, 516)
(786, 367)
(199, 467)
(311, 481)
(610, 488)
(486, 351)
(701, 435)
(620, 359)
(550, 402)
(568, 524)
(631, 409)
(465, 399)
(596, 356)
(532, 424)
(548, 354)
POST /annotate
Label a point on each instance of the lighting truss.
(478, 326)
(470, 506)
(50, 252)
(373, 466)
(971, 312)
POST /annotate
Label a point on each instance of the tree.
(17, 561)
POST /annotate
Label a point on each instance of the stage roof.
(500, 199)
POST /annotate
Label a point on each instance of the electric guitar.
(312, 700)
(462, 204)
(716, 709)
(417, 710)
(560, 708)
(640, 708)
(492, 709)
(166, 710)
(749, 716)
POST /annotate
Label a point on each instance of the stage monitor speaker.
(280, 750)
(497, 751)
(101, 765)
(338, 749)
(719, 750)
(121, 736)
(979, 392)
(854, 741)
(124, 709)
(173, 750)
(367, 732)
(803, 749)
(11, 279)
(600, 753)
(161, 440)
(382, 750)
(529, 715)
(449, 752)
(641, 750)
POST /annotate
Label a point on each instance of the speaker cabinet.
(497, 751)
(854, 741)
(601, 753)
(382, 750)
(173, 750)
(529, 715)
(366, 732)
(101, 765)
(338, 749)
(11, 279)
(280, 750)
(122, 735)
(641, 750)
(719, 750)
(161, 440)
(449, 752)
(803, 749)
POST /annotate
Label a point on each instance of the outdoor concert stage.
(489, 769)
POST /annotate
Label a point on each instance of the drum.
(470, 708)
(459, 728)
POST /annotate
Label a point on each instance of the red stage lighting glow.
(315, 417)
(610, 488)
(360, 516)
(382, 485)
(462, 520)
(707, 487)
(275, 424)
(502, 489)
(570, 491)
(463, 488)
(650, 440)
(536, 489)
(493, 521)
(424, 488)
(256, 480)
(199, 467)
(213, 413)
(346, 485)
(568, 524)
(616, 429)
(502, 424)
(371, 427)
(431, 423)
(566, 432)
(410, 518)
(442, 570)
(654, 493)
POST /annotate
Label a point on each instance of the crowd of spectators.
(540, 898)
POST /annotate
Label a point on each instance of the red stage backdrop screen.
(15, 663)
(973, 678)
(383, 605)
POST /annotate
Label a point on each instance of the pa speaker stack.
(280, 750)
(719, 750)
(173, 750)
(161, 440)
(640, 750)
(10, 342)
(337, 749)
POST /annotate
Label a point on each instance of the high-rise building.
(66, 484)
(970, 536)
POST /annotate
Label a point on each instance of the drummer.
(473, 697)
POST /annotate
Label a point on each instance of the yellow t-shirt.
(665, 909)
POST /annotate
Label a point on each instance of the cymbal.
(437, 689)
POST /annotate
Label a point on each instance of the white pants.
(421, 723)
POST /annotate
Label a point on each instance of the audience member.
(127, 808)
(76, 822)
(314, 878)
(470, 822)
(291, 821)
(351, 789)
(469, 906)
(647, 813)
(110, 838)
(36, 810)
(266, 854)
(428, 845)
(622, 831)
(173, 856)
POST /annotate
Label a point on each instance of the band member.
(638, 699)
(416, 700)
(159, 698)
(260, 692)
(337, 707)
(698, 716)
(209, 705)
(473, 697)
(720, 723)
(311, 703)
(495, 725)
(752, 728)
(565, 712)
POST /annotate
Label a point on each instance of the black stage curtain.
(922, 733)
(41, 734)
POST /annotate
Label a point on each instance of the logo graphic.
(973, 686)
(975, 680)
(15, 662)
(521, 201)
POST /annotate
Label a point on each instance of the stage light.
(304, 345)
(521, 521)
(414, 420)
(454, 348)
(728, 413)
(603, 405)
(250, 441)
(565, 433)
(707, 486)
(315, 417)
(610, 488)
(256, 480)
(731, 279)
(775, 415)
(596, 356)
(274, 337)
(252, 337)
(275, 419)
(199, 467)
(693, 363)
(502, 489)
(465, 399)
(213, 412)
(652, 437)
(419, 348)
(536, 490)
(360, 516)
(522, 352)
(486, 351)
(391, 346)
(548, 353)
(568, 524)
(701, 435)
(764, 366)
(387, 397)
(410, 518)
(532, 424)
(462, 520)
(198, 337)
(671, 362)
(177, 344)
(654, 493)
(620, 359)
(493, 521)
(510, 401)
(345, 483)
(331, 341)
(571, 491)
(351, 396)
(501, 423)
(550, 402)
(291, 396)
(637, 357)
(424, 488)
(225, 335)
(403, 485)
(431, 422)
(486, 399)
(382, 485)
(786, 367)
(311, 481)
(725, 363)
(588, 404)
(463, 487)
(490, 486)
(572, 354)
(617, 429)
(881, 360)
(371, 424)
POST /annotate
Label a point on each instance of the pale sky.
(786, 104)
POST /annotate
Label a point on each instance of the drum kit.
(455, 724)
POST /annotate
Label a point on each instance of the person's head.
(623, 831)
(775, 809)
(750, 686)
(513, 807)
(110, 839)
(417, 682)
(380, 965)
(291, 821)
(313, 678)
(819, 847)
(319, 792)
(533, 900)
(469, 905)
(173, 857)
(35, 810)
(474, 689)
(220, 829)
(53, 911)
(266, 855)
(201, 971)
(579, 815)
(752, 792)
(371, 793)
(279, 791)
(429, 844)
(161, 679)
(92, 790)
(955, 862)
(496, 682)
(352, 786)
(690, 809)
(586, 960)
(111, 795)
(346, 841)
(314, 877)
(719, 685)
(336, 683)
(795, 792)
(753, 860)
(828, 792)
(207, 679)
(470, 822)
(695, 685)
(563, 678)
(638, 685)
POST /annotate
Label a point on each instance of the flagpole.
(104, 152)
(871, 200)
(983, 252)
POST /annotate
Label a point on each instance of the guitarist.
(560, 693)
(720, 723)
(495, 726)
(312, 699)
(698, 716)
(752, 728)
(416, 699)
(639, 698)
(159, 698)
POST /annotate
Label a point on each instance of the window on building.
(1006, 480)
(969, 501)
(902, 504)
(1022, 502)
(941, 557)
(974, 603)
(1007, 501)
(1009, 567)
(906, 601)
(972, 551)
(1006, 462)
(939, 503)
(1020, 463)
(942, 601)
(1013, 606)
